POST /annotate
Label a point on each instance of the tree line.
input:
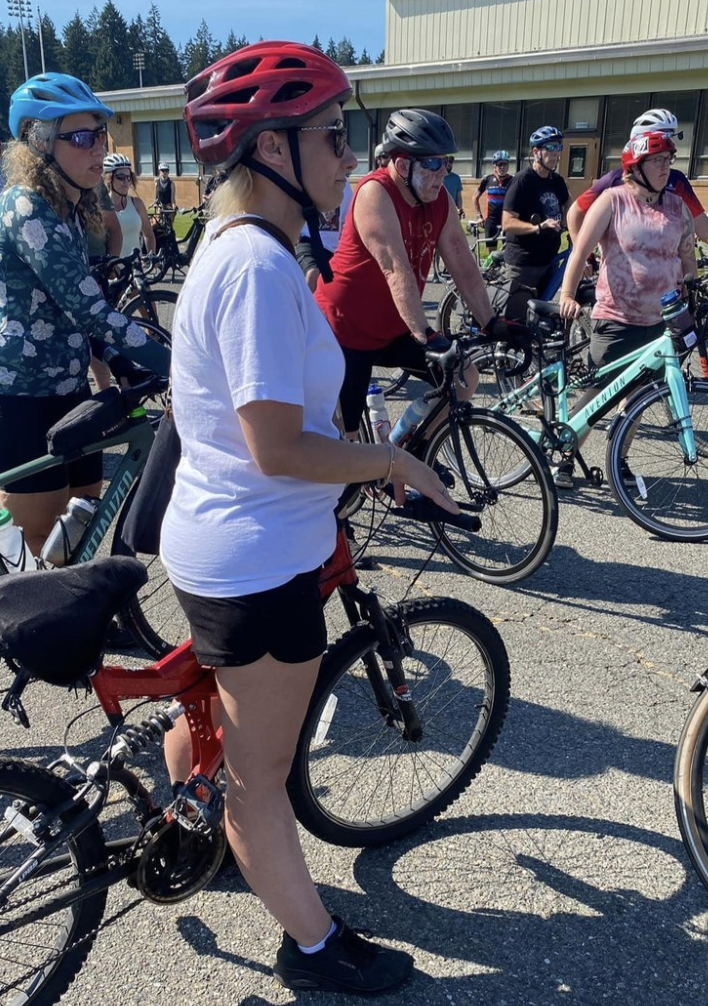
(101, 48)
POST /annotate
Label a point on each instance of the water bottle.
(679, 320)
(412, 417)
(14, 552)
(68, 530)
(380, 423)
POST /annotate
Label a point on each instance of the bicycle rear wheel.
(355, 780)
(453, 317)
(154, 616)
(691, 786)
(519, 508)
(665, 494)
(156, 306)
(40, 957)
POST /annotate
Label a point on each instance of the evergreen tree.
(13, 61)
(78, 59)
(198, 52)
(161, 57)
(381, 58)
(346, 54)
(316, 44)
(5, 89)
(365, 59)
(113, 69)
(54, 55)
(331, 49)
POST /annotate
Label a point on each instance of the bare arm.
(574, 221)
(464, 270)
(379, 228)
(147, 230)
(700, 224)
(275, 438)
(513, 224)
(594, 226)
(114, 234)
(687, 245)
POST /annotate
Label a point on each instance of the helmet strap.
(408, 182)
(300, 196)
(50, 160)
(643, 181)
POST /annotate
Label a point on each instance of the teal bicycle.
(657, 445)
(120, 420)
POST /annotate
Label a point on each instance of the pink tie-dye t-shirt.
(640, 257)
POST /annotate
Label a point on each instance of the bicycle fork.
(680, 410)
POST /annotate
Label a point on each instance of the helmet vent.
(291, 62)
(291, 91)
(244, 69)
(237, 97)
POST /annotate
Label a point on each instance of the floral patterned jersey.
(50, 304)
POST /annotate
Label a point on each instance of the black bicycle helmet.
(417, 132)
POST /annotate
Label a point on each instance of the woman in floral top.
(49, 302)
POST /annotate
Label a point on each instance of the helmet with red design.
(645, 145)
(269, 85)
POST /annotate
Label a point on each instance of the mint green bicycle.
(657, 445)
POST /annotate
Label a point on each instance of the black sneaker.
(563, 475)
(347, 963)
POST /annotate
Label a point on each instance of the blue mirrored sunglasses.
(554, 148)
(85, 139)
(432, 163)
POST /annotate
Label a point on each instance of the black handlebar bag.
(141, 531)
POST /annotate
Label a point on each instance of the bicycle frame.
(659, 357)
(138, 438)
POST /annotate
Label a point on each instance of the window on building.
(546, 112)
(163, 141)
(684, 106)
(358, 138)
(500, 131)
(622, 110)
(464, 122)
(583, 114)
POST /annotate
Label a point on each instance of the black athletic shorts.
(404, 352)
(24, 422)
(288, 622)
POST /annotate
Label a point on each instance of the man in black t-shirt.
(534, 215)
(496, 186)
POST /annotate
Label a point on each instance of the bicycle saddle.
(544, 308)
(53, 623)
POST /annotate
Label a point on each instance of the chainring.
(176, 863)
(559, 438)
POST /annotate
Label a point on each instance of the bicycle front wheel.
(356, 780)
(512, 491)
(453, 318)
(649, 473)
(155, 306)
(42, 949)
(691, 786)
(154, 615)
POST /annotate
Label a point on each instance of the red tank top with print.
(358, 303)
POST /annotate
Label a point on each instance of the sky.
(299, 20)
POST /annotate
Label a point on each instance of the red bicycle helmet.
(269, 85)
(645, 146)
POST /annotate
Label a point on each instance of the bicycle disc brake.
(559, 438)
(184, 855)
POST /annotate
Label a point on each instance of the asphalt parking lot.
(559, 876)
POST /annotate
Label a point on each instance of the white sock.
(321, 944)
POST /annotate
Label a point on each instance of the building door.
(579, 163)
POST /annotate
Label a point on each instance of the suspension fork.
(391, 644)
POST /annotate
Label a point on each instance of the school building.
(496, 70)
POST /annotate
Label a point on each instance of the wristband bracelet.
(392, 450)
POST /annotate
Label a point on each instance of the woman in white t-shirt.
(132, 214)
(256, 374)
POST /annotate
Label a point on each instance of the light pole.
(41, 40)
(139, 64)
(21, 9)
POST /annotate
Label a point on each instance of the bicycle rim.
(154, 615)
(39, 959)
(667, 496)
(691, 786)
(452, 316)
(356, 780)
(157, 306)
(519, 516)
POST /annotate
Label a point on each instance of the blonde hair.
(232, 195)
(22, 166)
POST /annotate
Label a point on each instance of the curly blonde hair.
(22, 165)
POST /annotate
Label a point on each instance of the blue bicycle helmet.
(546, 134)
(500, 155)
(50, 96)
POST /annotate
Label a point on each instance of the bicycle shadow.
(621, 584)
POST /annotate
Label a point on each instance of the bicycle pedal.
(199, 806)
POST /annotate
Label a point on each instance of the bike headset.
(539, 138)
(112, 162)
(413, 133)
(641, 147)
(49, 97)
(268, 85)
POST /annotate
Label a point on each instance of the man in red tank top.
(400, 214)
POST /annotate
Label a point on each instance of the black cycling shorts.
(24, 422)
(404, 352)
(288, 622)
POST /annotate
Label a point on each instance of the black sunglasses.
(121, 177)
(339, 135)
(85, 139)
